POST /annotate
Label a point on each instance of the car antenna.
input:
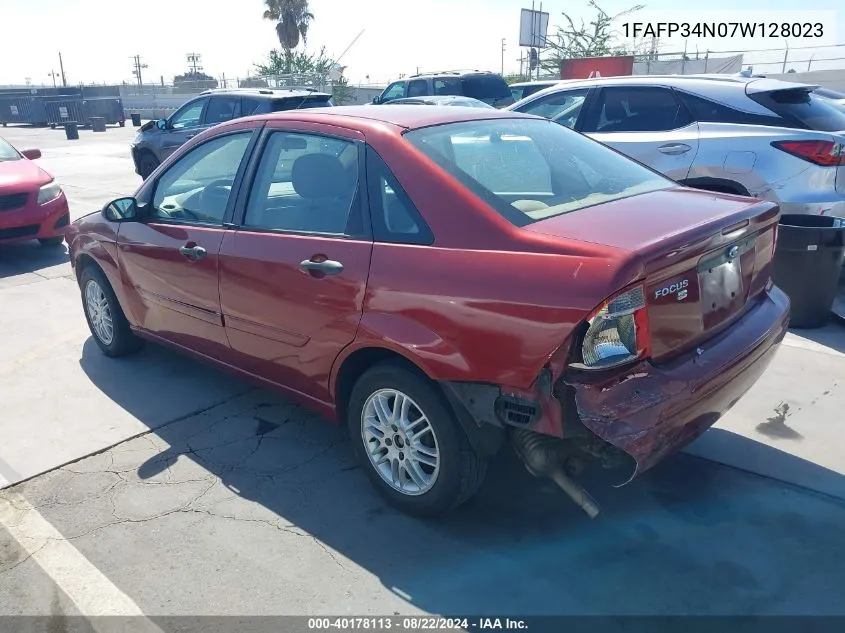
(335, 63)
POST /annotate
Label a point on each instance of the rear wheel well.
(719, 185)
(356, 364)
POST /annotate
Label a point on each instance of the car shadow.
(19, 258)
(832, 335)
(689, 537)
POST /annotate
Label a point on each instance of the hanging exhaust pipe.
(539, 453)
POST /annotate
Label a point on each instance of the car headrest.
(614, 111)
(319, 176)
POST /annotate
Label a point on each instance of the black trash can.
(136, 119)
(71, 131)
(808, 261)
(98, 124)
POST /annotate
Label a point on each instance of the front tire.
(409, 442)
(106, 321)
(147, 165)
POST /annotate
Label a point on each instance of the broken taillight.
(824, 153)
(617, 331)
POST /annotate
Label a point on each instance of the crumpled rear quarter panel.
(651, 411)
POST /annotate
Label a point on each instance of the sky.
(97, 38)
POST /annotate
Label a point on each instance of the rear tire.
(105, 317)
(51, 241)
(422, 462)
(147, 165)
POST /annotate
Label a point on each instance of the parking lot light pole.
(503, 57)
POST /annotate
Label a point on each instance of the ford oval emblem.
(733, 251)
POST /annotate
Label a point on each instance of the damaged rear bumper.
(650, 411)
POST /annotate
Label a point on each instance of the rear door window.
(640, 109)
(803, 109)
(709, 111)
(417, 88)
(485, 87)
(251, 105)
(447, 86)
(221, 109)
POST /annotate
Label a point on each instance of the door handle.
(193, 253)
(327, 267)
(674, 148)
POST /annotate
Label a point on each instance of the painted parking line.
(84, 584)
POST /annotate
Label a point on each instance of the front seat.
(326, 190)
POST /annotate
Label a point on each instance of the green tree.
(594, 39)
(292, 18)
(316, 68)
(342, 92)
(287, 62)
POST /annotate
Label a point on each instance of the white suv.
(760, 137)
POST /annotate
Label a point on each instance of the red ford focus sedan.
(32, 204)
(444, 280)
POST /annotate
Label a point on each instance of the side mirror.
(376, 100)
(161, 124)
(31, 154)
(121, 210)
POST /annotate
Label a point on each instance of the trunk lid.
(703, 256)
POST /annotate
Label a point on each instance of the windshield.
(529, 170)
(7, 152)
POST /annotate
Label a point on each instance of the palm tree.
(292, 19)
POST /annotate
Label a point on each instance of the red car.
(441, 279)
(32, 204)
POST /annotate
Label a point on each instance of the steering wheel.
(215, 197)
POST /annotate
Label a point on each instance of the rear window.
(485, 87)
(529, 170)
(803, 108)
(299, 103)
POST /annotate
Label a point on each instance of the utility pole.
(62, 68)
(54, 75)
(503, 57)
(138, 67)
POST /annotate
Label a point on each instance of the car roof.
(405, 116)
(452, 73)
(761, 84)
(537, 82)
(435, 99)
(267, 93)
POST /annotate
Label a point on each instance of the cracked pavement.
(256, 507)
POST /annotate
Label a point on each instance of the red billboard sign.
(587, 67)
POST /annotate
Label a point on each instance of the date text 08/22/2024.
(415, 623)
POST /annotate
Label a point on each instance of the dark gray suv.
(488, 87)
(156, 140)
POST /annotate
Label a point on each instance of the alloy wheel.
(400, 442)
(99, 312)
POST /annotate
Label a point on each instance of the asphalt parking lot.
(155, 485)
